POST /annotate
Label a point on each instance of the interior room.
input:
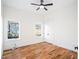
(40, 29)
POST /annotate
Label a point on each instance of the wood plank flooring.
(42, 50)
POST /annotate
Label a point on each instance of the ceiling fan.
(41, 5)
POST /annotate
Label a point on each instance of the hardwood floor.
(42, 50)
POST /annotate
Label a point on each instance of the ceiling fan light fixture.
(41, 7)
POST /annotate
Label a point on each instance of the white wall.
(61, 27)
(27, 21)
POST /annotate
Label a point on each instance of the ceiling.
(26, 4)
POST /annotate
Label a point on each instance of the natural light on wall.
(48, 33)
(1, 32)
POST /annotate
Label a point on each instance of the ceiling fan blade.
(45, 8)
(38, 8)
(35, 4)
(48, 4)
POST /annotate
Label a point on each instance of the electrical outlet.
(76, 48)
